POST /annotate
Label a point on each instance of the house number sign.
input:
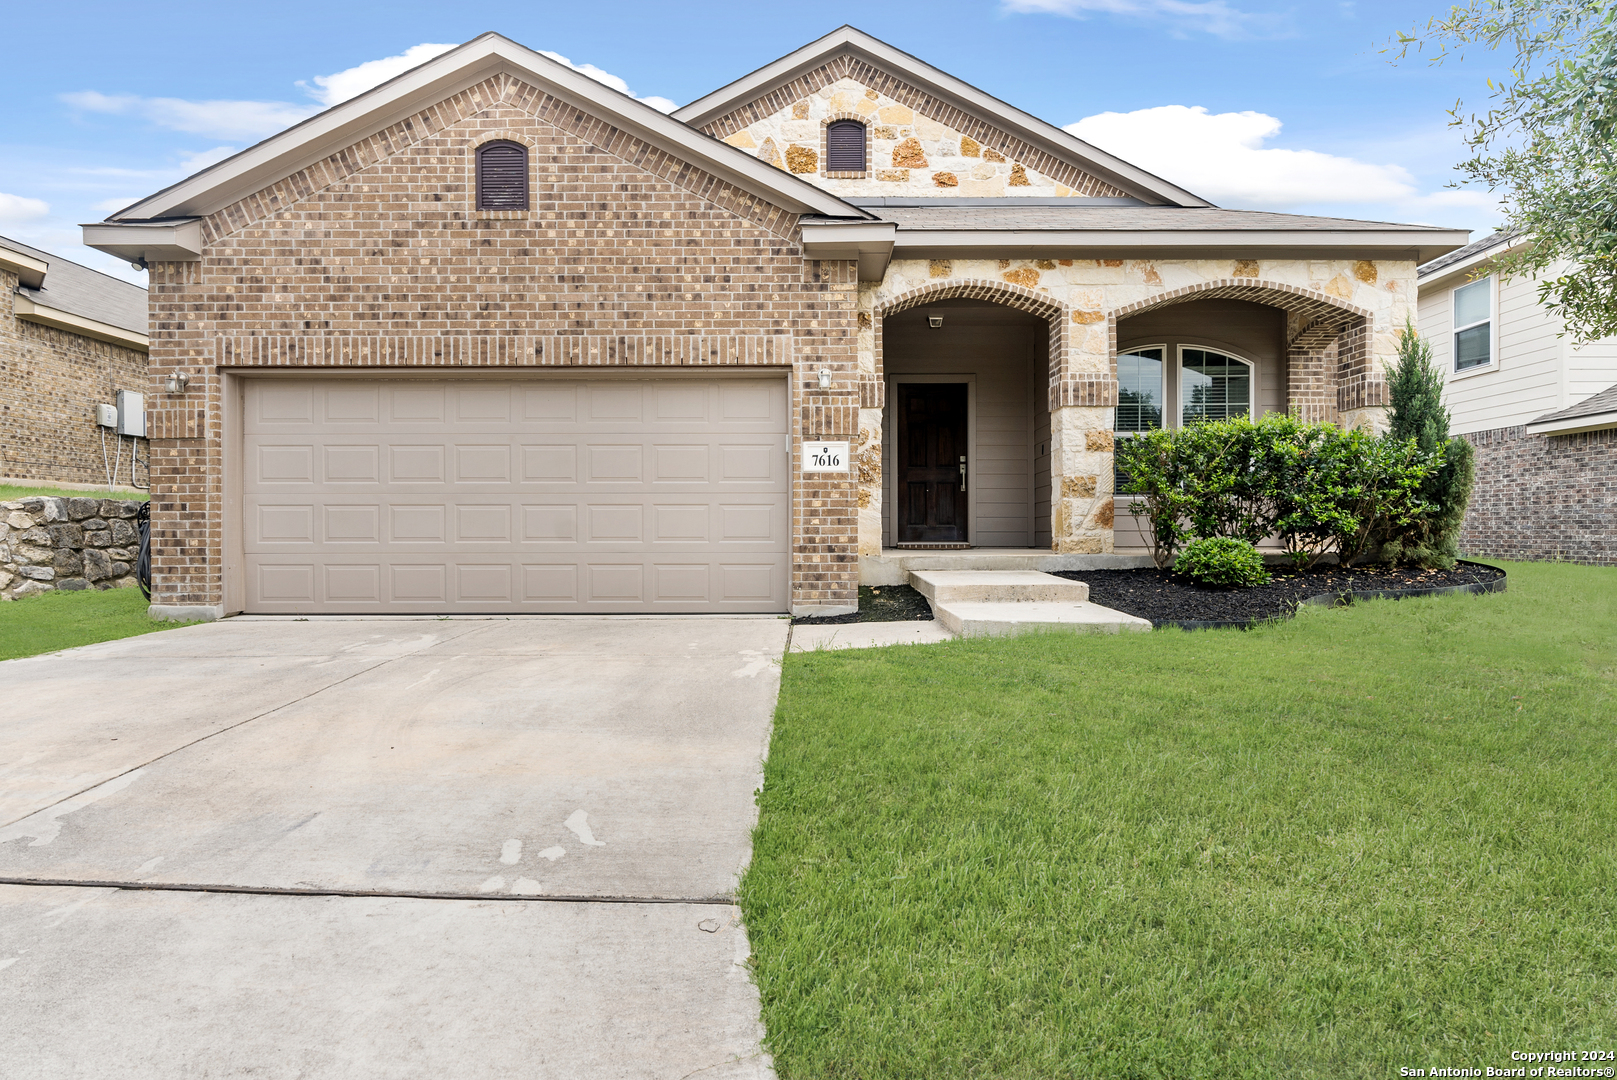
(825, 457)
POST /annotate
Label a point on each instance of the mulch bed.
(879, 603)
(1168, 600)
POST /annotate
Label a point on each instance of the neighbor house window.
(845, 146)
(1213, 386)
(1473, 325)
(502, 176)
(1139, 390)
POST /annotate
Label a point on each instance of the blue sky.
(1254, 104)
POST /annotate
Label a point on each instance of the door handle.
(962, 472)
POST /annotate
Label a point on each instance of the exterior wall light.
(935, 321)
(177, 382)
(825, 378)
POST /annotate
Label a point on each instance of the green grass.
(1368, 838)
(11, 492)
(62, 620)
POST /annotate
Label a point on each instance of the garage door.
(546, 495)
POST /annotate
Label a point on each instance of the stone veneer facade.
(50, 383)
(66, 544)
(1543, 497)
(1343, 317)
(376, 258)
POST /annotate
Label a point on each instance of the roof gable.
(395, 101)
(940, 97)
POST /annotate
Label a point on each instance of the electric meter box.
(131, 413)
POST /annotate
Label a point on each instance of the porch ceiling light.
(825, 378)
(935, 321)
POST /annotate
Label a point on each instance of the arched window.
(845, 146)
(1213, 386)
(502, 176)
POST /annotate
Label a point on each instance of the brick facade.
(1544, 497)
(50, 382)
(377, 258)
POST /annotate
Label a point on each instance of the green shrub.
(1221, 560)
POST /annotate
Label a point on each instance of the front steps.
(998, 603)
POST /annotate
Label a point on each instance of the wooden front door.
(931, 450)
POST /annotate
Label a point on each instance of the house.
(494, 337)
(1541, 411)
(71, 338)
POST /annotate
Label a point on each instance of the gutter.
(1573, 425)
(1089, 243)
(30, 311)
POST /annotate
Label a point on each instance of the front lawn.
(13, 492)
(1370, 838)
(61, 620)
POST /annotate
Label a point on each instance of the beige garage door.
(374, 495)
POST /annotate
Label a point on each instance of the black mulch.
(1163, 597)
(879, 603)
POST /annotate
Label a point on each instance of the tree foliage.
(1544, 143)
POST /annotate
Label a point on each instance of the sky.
(1252, 104)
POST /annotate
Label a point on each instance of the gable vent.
(845, 146)
(502, 176)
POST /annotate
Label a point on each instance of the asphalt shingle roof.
(1603, 402)
(1476, 247)
(81, 291)
(1008, 216)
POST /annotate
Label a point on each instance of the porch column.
(1081, 472)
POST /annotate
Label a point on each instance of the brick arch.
(1328, 362)
(1004, 293)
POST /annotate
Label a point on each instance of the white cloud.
(1222, 157)
(19, 209)
(219, 119)
(335, 89)
(1208, 16)
(606, 78)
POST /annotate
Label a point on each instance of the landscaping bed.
(1168, 599)
(878, 603)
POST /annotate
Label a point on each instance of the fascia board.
(169, 241)
(1445, 276)
(1575, 424)
(343, 125)
(1276, 243)
(868, 243)
(962, 94)
(30, 311)
(29, 270)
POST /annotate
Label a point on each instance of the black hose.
(143, 560)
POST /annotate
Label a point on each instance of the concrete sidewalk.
(455, 828)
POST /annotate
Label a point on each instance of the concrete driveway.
(386, 848)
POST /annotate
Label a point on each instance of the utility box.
(131, 413)
(106, 416)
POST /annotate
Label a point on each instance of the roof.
(847, 40)
(78, 290)
(1454, 258)
(1600, 407)
(464, 66)
(1079, 214)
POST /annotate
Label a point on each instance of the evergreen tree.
(1415, 394)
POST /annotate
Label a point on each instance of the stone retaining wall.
(70, 544)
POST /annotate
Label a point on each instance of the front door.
(932, 463)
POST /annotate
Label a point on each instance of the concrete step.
(996, 586)
(1000, 619)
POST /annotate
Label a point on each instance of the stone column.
(1081, 471)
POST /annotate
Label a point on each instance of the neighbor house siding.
(1543, 497)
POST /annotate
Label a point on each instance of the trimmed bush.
(1221, 560)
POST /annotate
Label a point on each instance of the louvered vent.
(845, 147)
(502, 176)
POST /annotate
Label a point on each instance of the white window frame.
(1492, 320)
(1162, 389)
(1251, 381)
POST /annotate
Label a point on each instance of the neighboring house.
(494, 337)
(1541, 412)
(70, 339)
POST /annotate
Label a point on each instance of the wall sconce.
(825, 378)
(177, 382)
(935, 321)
